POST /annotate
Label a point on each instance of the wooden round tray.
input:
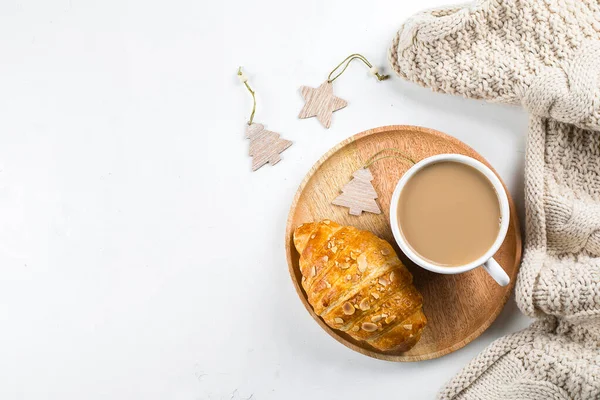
(458, 307)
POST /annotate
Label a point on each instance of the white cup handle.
(496, 272)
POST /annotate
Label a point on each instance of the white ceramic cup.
(487, 260)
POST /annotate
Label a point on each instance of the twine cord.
(398, 154)
(347, 62)
(253, 97)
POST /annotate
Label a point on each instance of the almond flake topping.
(362, 262)
(364, 304)
(369, 327)
(348, 308)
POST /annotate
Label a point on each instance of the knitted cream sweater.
(545, 56)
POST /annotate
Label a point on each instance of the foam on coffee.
(449, 214)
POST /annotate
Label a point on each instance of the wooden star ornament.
(321, 103)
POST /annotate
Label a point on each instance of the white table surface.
(140, 258)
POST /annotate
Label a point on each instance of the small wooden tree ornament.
(320, 102)
(359, 194)
(265, 146)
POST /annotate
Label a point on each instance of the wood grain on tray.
(458, 307)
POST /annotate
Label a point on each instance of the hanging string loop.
(397, 154)
(374, 71)
(244, 79)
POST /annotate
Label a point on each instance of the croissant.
(356, 284)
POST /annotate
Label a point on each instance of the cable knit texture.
(545, 56)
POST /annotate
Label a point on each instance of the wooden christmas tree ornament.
(265, 146)
(359, 194)
(320, 102)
